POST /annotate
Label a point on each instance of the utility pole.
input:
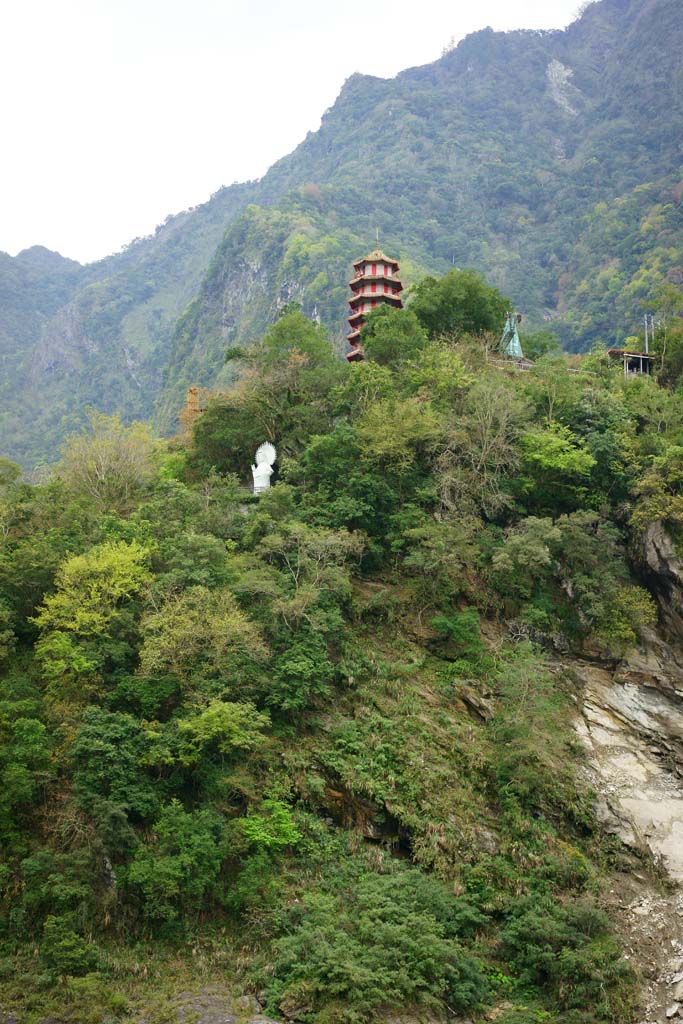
(647, 347)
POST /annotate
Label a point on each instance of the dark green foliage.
(380, 939)
(462, 629)
(108, 752)
(461, 302)
(539, 343)
(391, 337)
(177, 870)
(302, 672)
(25, 748)
(532, 771)
(225, 438)
(568, 948)
(46, 883)
(63, 951)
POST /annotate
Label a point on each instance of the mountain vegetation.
(319, 743)
(550, 161)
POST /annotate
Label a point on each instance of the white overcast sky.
(116, 113)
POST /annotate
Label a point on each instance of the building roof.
(629, 352)
(376, 256)
(360, 279)
(355, 300)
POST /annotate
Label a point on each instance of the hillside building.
(634, 363)
(375, 282)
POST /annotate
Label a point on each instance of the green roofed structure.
(509, 344)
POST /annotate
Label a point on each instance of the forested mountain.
(551, 161)
(396, 740)
(73, 337)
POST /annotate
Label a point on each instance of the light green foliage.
(533, 772)
(438, 374)
(552, 388)
(86, 627)
(365, 383)
(197, 635)
(554, 467)
(659, 491)
(223, 726)
(313, 562)
(271, 829)
(481, 453)
(110, 464)
(393, 432)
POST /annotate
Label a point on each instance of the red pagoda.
(373, 283)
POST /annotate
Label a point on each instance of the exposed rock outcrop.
(664, 575)
(631, 723)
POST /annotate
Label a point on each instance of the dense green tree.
(110, 464)
(460, 302)
(386, 933)
(179, 868)
(391, 337)
(87, 627)
(201, 638)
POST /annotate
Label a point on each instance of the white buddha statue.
(263, 470)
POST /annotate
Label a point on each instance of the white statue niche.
(263, 470)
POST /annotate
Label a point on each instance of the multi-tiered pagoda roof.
(374, 283)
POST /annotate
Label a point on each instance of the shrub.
(63, 951)
(567, 949)
(381, 941)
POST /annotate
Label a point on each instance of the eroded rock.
(664, 568)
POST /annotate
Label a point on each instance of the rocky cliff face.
(663, 569)
(631, 722)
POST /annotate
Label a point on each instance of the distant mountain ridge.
(550, 161)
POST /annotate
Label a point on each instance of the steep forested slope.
(501, 155)
(102, 340)
(318, 746)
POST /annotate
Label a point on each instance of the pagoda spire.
(375, 282)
